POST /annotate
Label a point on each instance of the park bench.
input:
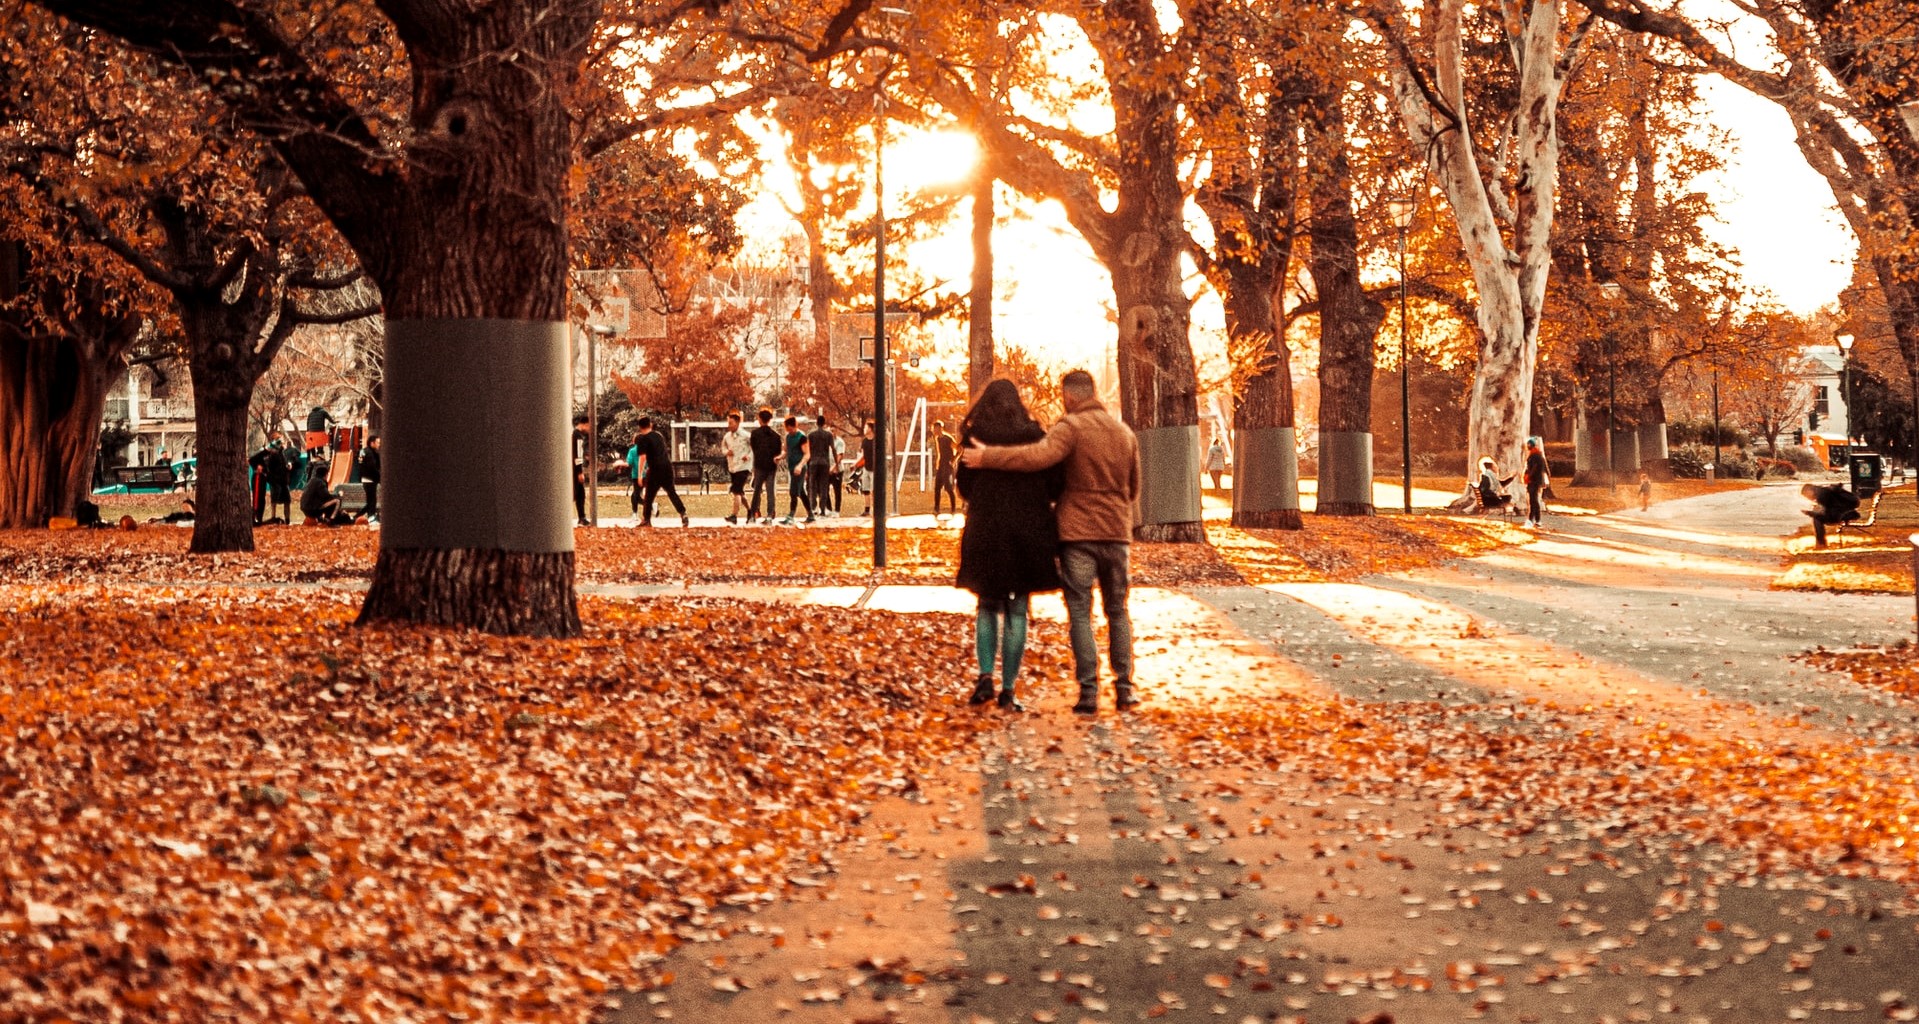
(691, 472)
(1872, 514)
(150, 479)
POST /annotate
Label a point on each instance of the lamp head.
(1611, 290)
(1845, 340)
(1401, 211)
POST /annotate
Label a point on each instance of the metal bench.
(148, 479)
(689, 472)
(1856, 523)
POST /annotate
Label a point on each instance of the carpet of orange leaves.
(221, 803)
(1872, 561)
(1330, 548)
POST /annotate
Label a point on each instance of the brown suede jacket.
(1101, 499)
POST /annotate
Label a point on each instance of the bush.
(1700, 432)
(1689, 462)
(1775, 467)
(1804, 460)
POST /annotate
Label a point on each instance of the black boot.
(1006, 701)
(1088, 701)
(1123, 696)
(982, 690)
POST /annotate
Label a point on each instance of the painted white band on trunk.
(476, 436)
(1266, 469)
(1345, 468)
(1169, 460)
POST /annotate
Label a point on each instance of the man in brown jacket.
(1096, 512)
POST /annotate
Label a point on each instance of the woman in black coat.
(1011, 540)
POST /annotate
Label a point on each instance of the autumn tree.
(1497, 161)
(1845, 73)
(440, 142)
(695, 367)
(201, 212)
(64, 334)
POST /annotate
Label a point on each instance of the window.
(1820, 402)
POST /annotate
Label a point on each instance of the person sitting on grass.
(1833, 504)
(321, 505)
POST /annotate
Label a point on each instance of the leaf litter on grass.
(230, 803)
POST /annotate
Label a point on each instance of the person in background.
(163, 459)
(1536, 477)
(658, 464)
(580, 440)
(320, 504)
(863, 468)
(1492, 490)
(1010, 541)
(1095, 510)
(737, 445)
(766, 445)
(796, 459)
(1832, 505)
(1645, 490)
(277, 469)
(318, 422)
(943, 468)
(836, 478)
(636, 474)
(1216, 460)
(819, 465)
(370, 477)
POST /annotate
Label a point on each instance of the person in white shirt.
(739, 462)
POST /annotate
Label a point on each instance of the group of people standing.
(815, 463)
(1047, 510)
(275, 467)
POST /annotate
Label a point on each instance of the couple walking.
(1048, 510)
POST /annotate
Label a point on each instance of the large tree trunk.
(53, 389)
(222, 501)
(1349, 322)
(472, 264)
(979, 303)
(1158, 380)
(1510, 280)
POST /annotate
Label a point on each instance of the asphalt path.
(1087, 871)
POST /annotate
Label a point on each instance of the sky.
(1773, 207)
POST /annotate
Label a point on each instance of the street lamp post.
(1844, 340)
(1611, 291)
(881, 419)
(1401, 211)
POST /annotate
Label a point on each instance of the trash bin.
(1868, 473)
(1710, 470)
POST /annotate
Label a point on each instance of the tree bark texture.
(53, 388)
(223, 501)
(506, 592)
(1510, 281)
(1158, 379)
(1249, 200)
(979, 303)
(1349, 322)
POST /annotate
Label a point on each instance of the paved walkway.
(1083, 874)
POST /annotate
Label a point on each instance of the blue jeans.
(1081, 565)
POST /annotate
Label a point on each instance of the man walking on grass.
(765, 442)
(820, 456)
(1095, 513)
(659, 473)
(737, 446)
(796, 459)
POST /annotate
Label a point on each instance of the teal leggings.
(1010, 640)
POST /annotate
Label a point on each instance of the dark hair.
(646, 422)
(999, 417)
(766, 416)
(734, 415)
(577, 420)
(820, 421)
(790, 421)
